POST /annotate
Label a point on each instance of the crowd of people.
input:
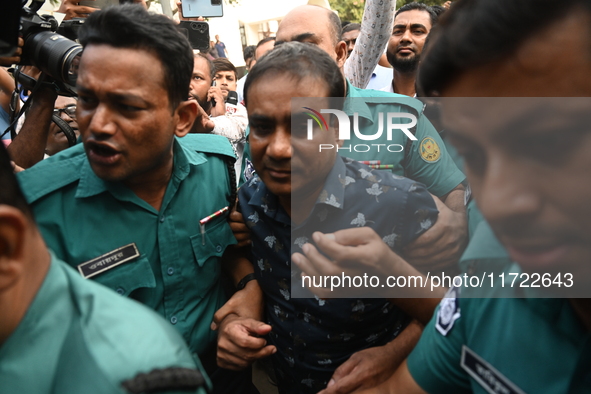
(157, 229)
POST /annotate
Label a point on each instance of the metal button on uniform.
(170, 271)
(173, 320)
(218, 248)
(162, 219)
(120, 290)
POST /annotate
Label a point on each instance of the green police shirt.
(78, 337)
(163, 259)
(425, 160)
(501, 345)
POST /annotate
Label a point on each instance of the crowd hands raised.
(203, 183)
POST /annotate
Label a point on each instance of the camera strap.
(66, 129)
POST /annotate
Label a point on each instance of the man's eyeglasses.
(69, 110)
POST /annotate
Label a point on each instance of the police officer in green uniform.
(140, 207)
(531, 185)
(62, 334)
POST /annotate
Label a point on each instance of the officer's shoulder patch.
(449, 311)
(52, 174)
(429, 150)
(208, 143)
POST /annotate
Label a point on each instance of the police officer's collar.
(364, 97)
(91, 185)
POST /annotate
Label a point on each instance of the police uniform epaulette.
(416, 105)
(208, 143)
(41, 179)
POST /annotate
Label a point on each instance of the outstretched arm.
(376, 29)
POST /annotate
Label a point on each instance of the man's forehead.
(120, 62)
(201, 65)
(62, 101)
(351, 34)
(304, 20)
(413, 17)
(553, 62)
(264, 48)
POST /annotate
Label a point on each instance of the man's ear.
(13, 232)
(341, 51)
(186, 113)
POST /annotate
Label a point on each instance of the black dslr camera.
(54, 54)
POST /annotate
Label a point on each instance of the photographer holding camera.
(57, 57)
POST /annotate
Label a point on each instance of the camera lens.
(55, 55)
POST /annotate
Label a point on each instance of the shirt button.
(120, 290)
(218, 248)
(170, 271)
(162, 219)
(173, 320)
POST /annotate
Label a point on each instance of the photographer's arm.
(73, 10)
(6, 87)
(16, 57)
(28, 147)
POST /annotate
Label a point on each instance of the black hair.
(10, 191)
(248, 52)
(209, 64)
(132, 26)
(420, 7)
(264, 41)
(438, 10)
(261, 42)
(298, 60)
(350, 27)
(223, 64)
(476, 32)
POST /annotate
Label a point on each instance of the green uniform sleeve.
(435, 362)
(429, 162)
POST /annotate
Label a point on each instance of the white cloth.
(233, 125)
(376, 29)
(240, 89)
(390, 88)
(380, 77)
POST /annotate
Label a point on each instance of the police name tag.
(109, 260)
(489, 378)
